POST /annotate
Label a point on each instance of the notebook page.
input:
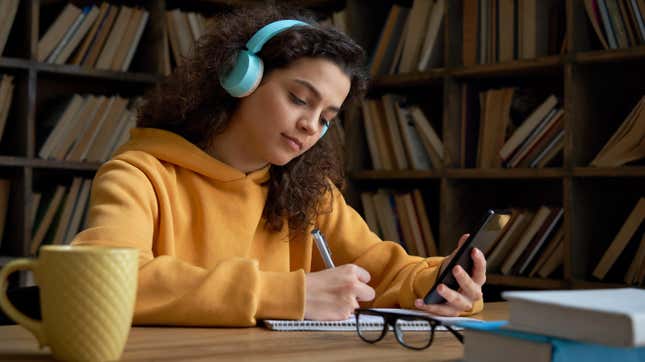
(369, 322)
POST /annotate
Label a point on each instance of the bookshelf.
(595, 200)
(598, 88)
(40, 87)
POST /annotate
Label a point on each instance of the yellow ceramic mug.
(87, 296)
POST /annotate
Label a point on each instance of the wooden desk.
(253, 344)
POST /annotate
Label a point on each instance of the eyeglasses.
(411, 331)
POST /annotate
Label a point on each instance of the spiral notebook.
(370, 322)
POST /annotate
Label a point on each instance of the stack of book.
(104, 37)
(402, 218)
(411, 39)
(531, 243)
(631, 233)
(576, 325)
(400, 137)
(504, 30)
(627, 144)
(507, 127)
(184, 29)
(618, 24)
(58, 215)
(6, 96)
(90, 128)
(8, 9)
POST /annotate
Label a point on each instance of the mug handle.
(34, 326)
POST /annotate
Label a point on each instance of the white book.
(430, 47)
(79, 33)
(57, 31)
(135, 43)
(524, 130)
(525, 239)
(51, 58)
(614, 317)
(6, 97)
(370, 322)
(419, 159)
(79, 210)
(63, 125)
(9, 9)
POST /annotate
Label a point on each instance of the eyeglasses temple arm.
(458, 335)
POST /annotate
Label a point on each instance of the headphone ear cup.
(245, 76)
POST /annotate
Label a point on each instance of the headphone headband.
(257, 41)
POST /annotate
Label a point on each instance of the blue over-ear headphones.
(247, 72)
(248, 69)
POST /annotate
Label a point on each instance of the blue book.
(494, 341)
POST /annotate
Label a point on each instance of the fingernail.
(456, 269)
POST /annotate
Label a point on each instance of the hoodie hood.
(172, 148)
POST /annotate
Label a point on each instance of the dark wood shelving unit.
(39, 86)
(598, 88)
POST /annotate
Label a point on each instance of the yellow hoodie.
(206, 258)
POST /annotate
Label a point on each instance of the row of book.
(627, 144)
(5, 191)
(104, 37)
(89, 128)
(400, 136)
(617, 23)
(632, 232)
(57, 216)
(6, 96)
(530, 244)
(8, 10)
(513, 128)
(562, 325)
(411, 39)
(184, 29)
(504, 30)
(400, 217)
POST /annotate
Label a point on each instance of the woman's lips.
(293, 142)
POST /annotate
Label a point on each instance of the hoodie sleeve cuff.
(282, 295)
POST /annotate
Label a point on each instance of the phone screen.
(488, 231)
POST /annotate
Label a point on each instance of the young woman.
(220, 188)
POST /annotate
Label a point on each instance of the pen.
(321, 243)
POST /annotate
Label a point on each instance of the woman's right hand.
(333, 294)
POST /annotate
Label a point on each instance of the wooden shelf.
(17, 63)
(550, 64)
(96, 73)
(312, 4)
(505, 173)
(52, 164)
(606, 56)
(402, 81)
(525, 282)
(365, 175)
(637, 171)
(63, 165)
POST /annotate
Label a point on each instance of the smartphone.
(488, 231)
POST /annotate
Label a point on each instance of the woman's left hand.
(470, 290)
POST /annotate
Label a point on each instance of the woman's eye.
(325, 122)
(297, 100)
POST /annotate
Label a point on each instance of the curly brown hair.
(191, 102)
